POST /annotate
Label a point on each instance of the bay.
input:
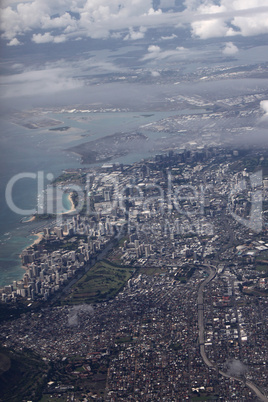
(25, 150)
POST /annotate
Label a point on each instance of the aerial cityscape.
(134, 201)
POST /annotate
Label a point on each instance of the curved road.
(200, 303)
(201, 338)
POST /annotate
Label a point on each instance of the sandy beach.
(72, 204)
(31, 219)
(40, 236)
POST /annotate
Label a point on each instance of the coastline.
(70, 199)
(10, 264)
(20, 268)
(28, 220)
(40, 237)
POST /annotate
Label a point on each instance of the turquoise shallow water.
(42, 150)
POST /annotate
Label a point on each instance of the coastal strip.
(31, 219)
(40, 236)
(70, 199)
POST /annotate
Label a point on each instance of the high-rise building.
(58, 232)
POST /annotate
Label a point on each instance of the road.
(200, 302)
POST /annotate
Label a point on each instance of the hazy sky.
(59, 21)
(49, 47)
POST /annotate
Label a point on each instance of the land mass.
(64, 128)
(156, 275)
(110, 147)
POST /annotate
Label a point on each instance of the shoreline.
(40, 236)
(28, 220)
(72, 204)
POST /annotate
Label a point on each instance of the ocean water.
(30, 151)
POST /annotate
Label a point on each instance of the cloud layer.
(58, 21)
(70, 18)
(229, 18)
(50, 79)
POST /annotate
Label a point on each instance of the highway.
(200, 303)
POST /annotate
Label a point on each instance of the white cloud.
(249, 26)
(49, 80)
(64, 21)
(102, 19)
(230, 49)
(60, 39)
(264, 106)
(154, 12)
(55, 77)
(39, 38)
(155, 74)
(209, 29)
(17, 66)
(173, 36)
(6, 3)
(154, 49)
(116, 35)
(95, 19)
(228, 17)
(155, 53)
(48, 38)
(14, 42)
(135, 35)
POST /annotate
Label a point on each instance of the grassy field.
(256, 292)
(50, 398)
(262, 267)
(263, 256)
(262, 262)
(152, 271)
(102, 282)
